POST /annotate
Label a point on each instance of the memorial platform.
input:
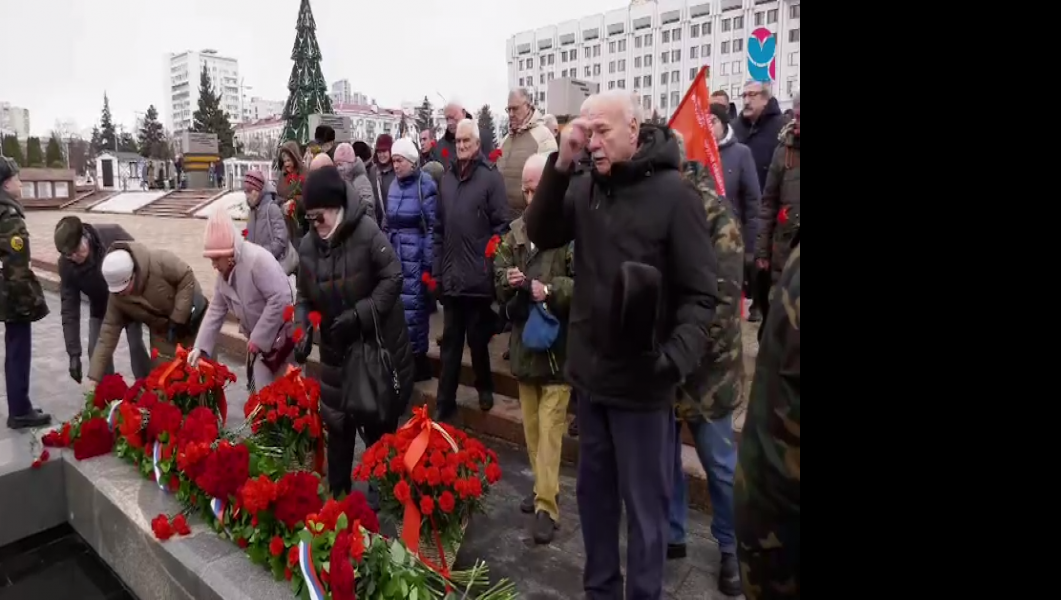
(111, 507)
(184, 238)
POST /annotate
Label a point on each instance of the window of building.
(791, 85)
(611, 85)
(676, 34)
(611, 47)
(666, 37)
(622, 84)
(674, 78)
(648, 39)
(563, 73)
(771, 16)
(552, 76)
(552, 59)
(596, 69)
(694, 52)
(637, 82)
(622, 45)
(646, 102)
(738, 68)
(541, 96)
(637, 42)
(793, 35)
(622, 66)
(706, 30)
(648, 60)
(530, 63)
(663, 77)
(676, 56)
(637, 62)
(663, 101)
(587, 71)
(586, 52)
(542, 78)
(738, 22)
(725, 68)
(692, 73)
(738, 45)
(793, 59)
(596, 51)
(521, 64)
(725, 47)
(793, 11)
(727, 24)
(663, 58)
(694, 30)
(675, 98)
(760, 18)
(611, 67)
(648, 81)
(705, 50)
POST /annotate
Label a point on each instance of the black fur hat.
(636, 300)
(324, 134)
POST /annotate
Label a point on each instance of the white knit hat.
(118, 270)
(405, 148)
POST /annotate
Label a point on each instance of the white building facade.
(182, 86)
(257, 109)
(655, 48)
(14, 121)
(260, 138)
(370, 122)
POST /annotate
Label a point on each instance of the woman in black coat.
(347, 266)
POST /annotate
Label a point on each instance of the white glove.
(193, 357)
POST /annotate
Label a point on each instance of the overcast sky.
(58, 57)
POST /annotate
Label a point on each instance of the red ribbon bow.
(412, 518)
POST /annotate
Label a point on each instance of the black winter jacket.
(644, 212)
(761, 137)
(472, 208)
(86, 278)
(351, 271)
(447, 146)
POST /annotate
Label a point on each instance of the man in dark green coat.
(22, 301)
(528, 278)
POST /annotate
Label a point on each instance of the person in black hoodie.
(81, 250)
(647, 290)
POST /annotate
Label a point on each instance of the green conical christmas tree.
(309, 91)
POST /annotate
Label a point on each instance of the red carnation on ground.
(95, 439)
(492, 246)
(496, 155)
(180, 525)
(161, 527)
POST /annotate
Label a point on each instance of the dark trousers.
(18, 348)
(625, 458)
(341, 447)
(474, 320)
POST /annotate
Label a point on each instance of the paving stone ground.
(501, 536)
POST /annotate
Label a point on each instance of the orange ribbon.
(206, 366)
(412, 519)
(318, 457)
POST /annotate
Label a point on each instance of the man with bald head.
(447, 146)
(528, 279)
(639, 325)
(320, 161)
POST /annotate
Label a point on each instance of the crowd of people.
(617, 266)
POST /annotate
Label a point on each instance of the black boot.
(544, 528)
(423, 368)
(486, 401)
(676, 551)
(729, 576)
(445, 413)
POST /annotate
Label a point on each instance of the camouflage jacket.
(767, 489)
(716, 387)
(21, 297)
(554, 268)
(779, 212)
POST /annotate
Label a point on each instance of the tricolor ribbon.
(217, 506)
(112, 414)
(309, 574)
(206, 366)
(156, 458)
(412, 519)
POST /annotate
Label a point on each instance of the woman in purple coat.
(409, 222)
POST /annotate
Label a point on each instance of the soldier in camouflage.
(708, 397)
(780, 205)
(22, 301)
(768, 476)
(525, 276)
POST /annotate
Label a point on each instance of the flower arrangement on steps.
(257, 490)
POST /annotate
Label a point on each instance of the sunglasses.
(318, 218)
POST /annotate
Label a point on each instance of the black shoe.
(676, 551)
(527, 505)
(445, 414)
(755, 315)
(729, 576)
(423, 368)
(486, 401)
(544, 528)
(34, 419)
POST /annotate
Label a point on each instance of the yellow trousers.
(544, 423)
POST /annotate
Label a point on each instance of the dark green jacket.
(21, 297)
(554, 268)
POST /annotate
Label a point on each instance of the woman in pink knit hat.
(252, 285)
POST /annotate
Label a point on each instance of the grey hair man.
(759, 124)
(455, 112)
(639, 321)
(552, 124)
(527, 135)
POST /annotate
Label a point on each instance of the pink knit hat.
(220, 235)
(344, 153)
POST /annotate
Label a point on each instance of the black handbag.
(371, 388)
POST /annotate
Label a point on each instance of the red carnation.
(276, 547)
(445, 153)
(496, 155)
(429, 281)
(289, 314)
(180, 525)
(315, 319)
(782, 217)
(446, 502)
(161, 528)
(492, 245)
(298, 335)
(244, 234)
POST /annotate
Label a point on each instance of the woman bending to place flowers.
(350, 275)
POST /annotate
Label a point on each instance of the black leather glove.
(304, 347)
(344, 327)
(518, 308)
(75, 368)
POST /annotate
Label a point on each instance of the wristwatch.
(548, 290)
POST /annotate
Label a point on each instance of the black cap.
(363, 151)
(324, 134)
(325, 188)
(68, 234)
(721, 113)
(8, 169)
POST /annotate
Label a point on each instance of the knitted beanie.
(254, 180)
(384, 143)
(324, 188)
(344, 153)
(220, 239)
(363, 152)
(406, 149)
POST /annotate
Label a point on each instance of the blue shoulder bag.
(541, 329)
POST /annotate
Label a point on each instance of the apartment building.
(182, 86)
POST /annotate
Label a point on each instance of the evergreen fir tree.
(425, 117)
(34, 152)
(210, 118)
(151, 136)
(108, 137)
(127, 143)
(486, 125)
(308, 90)
(53, 154)
(12, 149)
(95, 144)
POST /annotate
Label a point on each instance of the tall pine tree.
(486, 125)
(10, 148)
(308, 90)
(53, 154)
(151, 136)
(425, 117)
(108, 136)
(34, 152)
(95, 145)
(210, 118)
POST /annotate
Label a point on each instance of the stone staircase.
(181, 203)
(86, 201)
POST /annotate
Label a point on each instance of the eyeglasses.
(747, 95)
(317, 218)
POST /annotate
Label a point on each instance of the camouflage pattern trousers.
(768, 549)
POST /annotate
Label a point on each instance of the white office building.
(656, 47)
(257, 109)
(14, 121)
(182, 86)
(343, 93)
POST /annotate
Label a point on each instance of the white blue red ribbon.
(113, 412)
(217, 506)
(309, 574)
(156, 458)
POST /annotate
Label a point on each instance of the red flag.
(693, 121)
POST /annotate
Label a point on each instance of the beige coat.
(164, 289)
(533, 137)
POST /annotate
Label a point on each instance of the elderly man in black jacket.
(647, 290)
(81, 250)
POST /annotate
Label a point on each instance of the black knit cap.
(8, 169)
(324, 134)
(68, 234)
(325, 188)
(721, 113)
(363, 151)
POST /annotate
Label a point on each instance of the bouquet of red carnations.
(190, 387)
(285, 419)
